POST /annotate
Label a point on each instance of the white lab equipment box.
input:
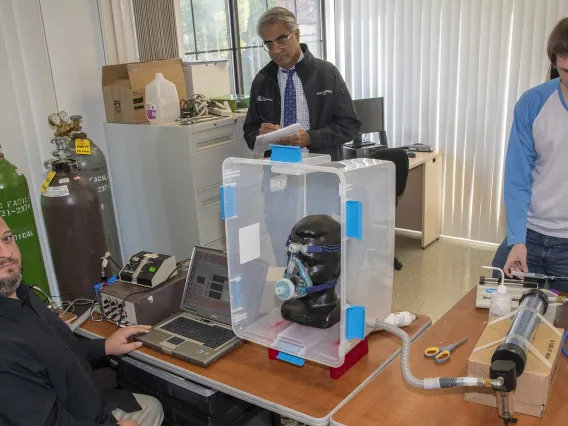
(262, 200)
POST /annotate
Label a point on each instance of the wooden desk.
(389, 400)
(420, 208)
(306, 394)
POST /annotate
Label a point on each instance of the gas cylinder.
(70, 206)
(16, 209)
(93, 166)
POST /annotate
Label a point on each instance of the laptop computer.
(201, 333)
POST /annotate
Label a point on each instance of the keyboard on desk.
(211, 336)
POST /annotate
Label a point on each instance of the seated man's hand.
(128, 423)
(268, 128)
(301, 139)
(517, 260)
(117, 343)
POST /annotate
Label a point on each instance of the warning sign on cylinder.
(83, 147)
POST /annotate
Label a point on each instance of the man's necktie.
(289, 99)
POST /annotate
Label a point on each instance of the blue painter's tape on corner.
(354, 219)
(291, 359)
(355, 323)
(286, 154)
(228, 209)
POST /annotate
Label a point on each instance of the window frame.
(233, 34)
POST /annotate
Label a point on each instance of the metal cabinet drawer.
(211, 226)
(211, 148)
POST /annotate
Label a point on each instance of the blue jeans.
(545, 255)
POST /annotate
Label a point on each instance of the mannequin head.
(314, 254)
(319, 231)
(314, 267)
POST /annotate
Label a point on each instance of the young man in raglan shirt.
(536, 175)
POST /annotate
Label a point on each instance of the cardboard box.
(124, 86)
(534, 385)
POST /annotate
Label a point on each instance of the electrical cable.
(124, 303)
(115, 264)
(76, 302)
(179, 265)
(564, 343)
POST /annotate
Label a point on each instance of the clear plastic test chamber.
(262, 200)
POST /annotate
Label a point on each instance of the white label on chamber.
(64, 180)
(57, 191)
(249, 243)
(19, 172)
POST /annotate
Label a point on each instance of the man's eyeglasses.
(281, 42)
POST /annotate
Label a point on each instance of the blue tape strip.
(355, 323)
(286, 154)
(354, 219)
(291, 359)
(228, 209)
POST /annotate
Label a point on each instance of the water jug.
(162, 101)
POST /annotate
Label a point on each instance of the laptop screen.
(207, 286)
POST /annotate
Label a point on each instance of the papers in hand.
(262, 141)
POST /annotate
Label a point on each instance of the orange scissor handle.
(431, 352)
(442, 357)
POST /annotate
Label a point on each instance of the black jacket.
(45, 376)
(333, 120)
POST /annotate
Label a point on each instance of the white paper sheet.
(249, 243)
(262, 141)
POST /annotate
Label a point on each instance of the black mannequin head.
(318, 230)
(320, 309)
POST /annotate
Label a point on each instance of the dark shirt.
(45, 375)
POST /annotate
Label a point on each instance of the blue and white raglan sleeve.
(519, 165)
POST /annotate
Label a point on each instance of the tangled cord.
(198, 106)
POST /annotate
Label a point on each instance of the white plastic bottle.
(501, 302)
(162, 101)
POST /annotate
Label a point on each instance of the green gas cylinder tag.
(82, 146)
(47, 181)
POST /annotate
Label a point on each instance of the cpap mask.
(296, 282)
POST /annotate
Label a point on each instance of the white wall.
(52, 54)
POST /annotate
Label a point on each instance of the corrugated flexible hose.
(429, 383)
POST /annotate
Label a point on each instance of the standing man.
(536, 177)
(295, 87)
(45, 377)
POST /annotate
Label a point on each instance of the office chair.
(401, 163)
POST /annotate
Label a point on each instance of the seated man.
(45, 377)
(295, 87)
(535, 173)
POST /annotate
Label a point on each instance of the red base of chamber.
(351, 359)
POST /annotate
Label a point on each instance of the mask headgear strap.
(324, 286)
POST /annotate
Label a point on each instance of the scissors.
(442, 354)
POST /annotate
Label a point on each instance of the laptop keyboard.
(211, 336)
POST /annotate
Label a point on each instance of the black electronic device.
(148, 269)
(129, 304)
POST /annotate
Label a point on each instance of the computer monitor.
(371, 112)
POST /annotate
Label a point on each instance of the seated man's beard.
(8, 285)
